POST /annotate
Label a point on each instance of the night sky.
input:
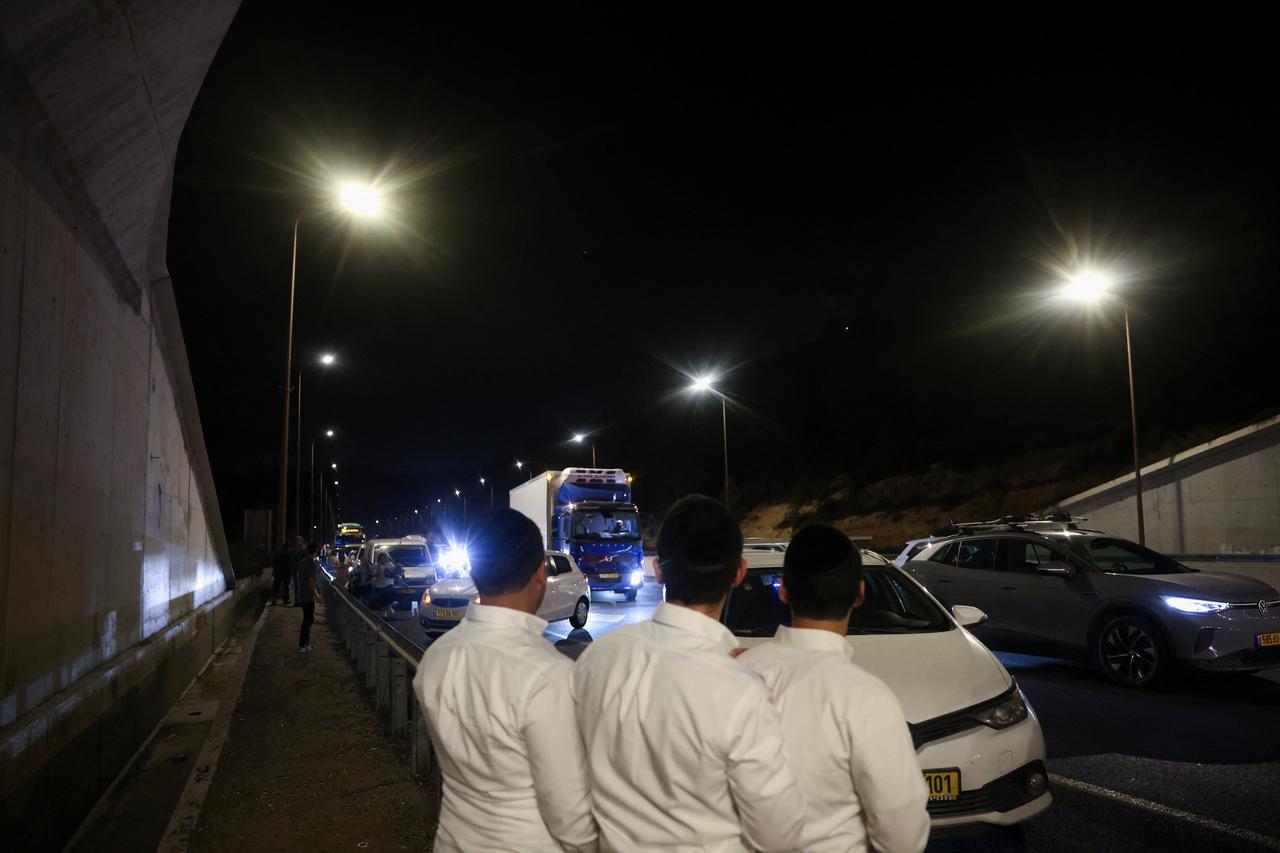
(858, 229)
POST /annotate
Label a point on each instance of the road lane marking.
(1167, 811)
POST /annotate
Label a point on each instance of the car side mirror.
(1057, 567)
(967, 615)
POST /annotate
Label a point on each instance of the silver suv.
(1051, 588)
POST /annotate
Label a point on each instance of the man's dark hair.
(822, 571)
(313, 548)
(699, 549)
(505, 549)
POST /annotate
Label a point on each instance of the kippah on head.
(818, 548)
(505, 549)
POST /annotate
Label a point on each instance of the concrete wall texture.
(1222, 497)
(110, 533)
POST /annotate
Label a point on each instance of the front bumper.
(1226, 641)
(621, 583)
(993, 766)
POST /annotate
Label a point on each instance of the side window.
(1019, 555)
(946, 554)
(976, 554)
(561, 564)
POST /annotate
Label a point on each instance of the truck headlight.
(1194, 605)
(637, 578)
(1010, 709)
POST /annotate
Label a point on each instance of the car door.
(553, 606)
(1033, 607)
(962, 572)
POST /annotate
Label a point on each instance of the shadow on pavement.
(1201, 718)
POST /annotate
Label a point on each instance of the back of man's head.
(505, 549)
(822, 572)
(699, 550)
(313, 548)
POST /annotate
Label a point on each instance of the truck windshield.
(605, 524)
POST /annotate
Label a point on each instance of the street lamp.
(490, 492)
(361, 200)
(704, 384)
(328, 433)
(333, 465)
(579, 438)
(325, 360)
(1091, 287)
(311, 491)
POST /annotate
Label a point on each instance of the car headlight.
(1194, 605)
(1006, 711)
(637, 578)
(426, 597)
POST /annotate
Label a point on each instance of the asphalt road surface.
(1192, 767)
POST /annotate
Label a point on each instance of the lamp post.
(362, 200)
(326, 360)
(520, 467)
(1091, 288)
(579, 438)
(705, 384)
(490, 492)
(458, 494)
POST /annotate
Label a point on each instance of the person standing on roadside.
(305, 594)
(500, 711)
(684, 748)
(846, 734)
(281, 575)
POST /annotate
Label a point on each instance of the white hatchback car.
(977, 739)
(568, 596)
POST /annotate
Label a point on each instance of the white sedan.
(977, 739)
(568, 596)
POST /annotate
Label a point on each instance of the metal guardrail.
(388, 661)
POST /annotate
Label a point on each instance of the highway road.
(1193, 767)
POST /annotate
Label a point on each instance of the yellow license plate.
(1271, 638)
(612, 577)
(448, 614)
(942, 784)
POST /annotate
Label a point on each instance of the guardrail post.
(371, 660)
(363, 641)
(420, 742)
(382, 677)
(399, 695)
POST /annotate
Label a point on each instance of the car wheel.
(1132, 651)
(580, 611)
(630, 595)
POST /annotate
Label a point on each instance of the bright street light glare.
(1087, 287)
(360, 199)
(578, 437)
(333, 465)
(328, 433)
(702, 383)
(482, 481)
(519, 464)
(457, 493)
(328, 358)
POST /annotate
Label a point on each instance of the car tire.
(1131, 651)
(630, 594)
(580, 612)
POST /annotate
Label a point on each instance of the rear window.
(893, 605)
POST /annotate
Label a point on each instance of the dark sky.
(584, 206)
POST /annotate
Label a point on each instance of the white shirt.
(500, 708)
(848, 742)
(685, 750)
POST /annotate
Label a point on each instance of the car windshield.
(893, 605)
(1125, 557)
(408, 555)
(598, 524)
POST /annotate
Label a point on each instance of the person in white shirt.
(500, 709)
(845, 731)
(684, 748)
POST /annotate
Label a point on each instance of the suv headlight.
(1010, 709)
(1194, 605)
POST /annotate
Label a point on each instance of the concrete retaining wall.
(1222, 497)
(60, 757)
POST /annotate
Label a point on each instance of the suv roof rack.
(1023, 521)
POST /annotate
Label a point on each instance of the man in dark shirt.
(305, 595)
(281, 575)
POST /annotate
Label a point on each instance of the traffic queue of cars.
(930, 618)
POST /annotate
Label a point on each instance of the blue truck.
(588, 513)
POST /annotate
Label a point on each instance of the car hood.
(454, 588)
(1214, 585)
(931, 674)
